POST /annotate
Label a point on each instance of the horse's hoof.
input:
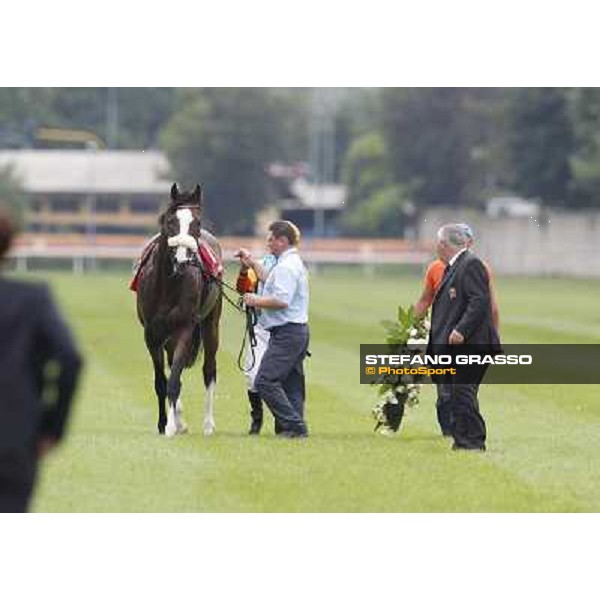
(170, 430)
(209, 429)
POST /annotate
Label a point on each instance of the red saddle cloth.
(210, 261)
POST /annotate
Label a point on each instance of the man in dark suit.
(462, 320)
(39, 369)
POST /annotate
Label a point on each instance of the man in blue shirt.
(283, 308)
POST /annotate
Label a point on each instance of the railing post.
(22, 263)
(367, 259)
(78, 264)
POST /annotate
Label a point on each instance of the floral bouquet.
(407, 335)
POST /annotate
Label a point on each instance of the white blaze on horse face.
(209, 419)
(183, 241)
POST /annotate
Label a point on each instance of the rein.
(250, 312)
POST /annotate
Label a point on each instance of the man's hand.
(251, 299)
(456, 338)
(45, 445)
(245, 257)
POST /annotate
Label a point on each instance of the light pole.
(91, 231)
(322, 149)
(112, 118)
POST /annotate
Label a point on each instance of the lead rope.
(250, 335)
(251, 317)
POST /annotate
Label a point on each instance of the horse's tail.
(195, 346)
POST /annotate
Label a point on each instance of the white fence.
(86, 257)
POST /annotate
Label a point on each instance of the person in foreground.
(39, 371)
(462, 315)
(283, 308)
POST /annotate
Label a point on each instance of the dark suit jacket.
(463, 302)
(32, 337)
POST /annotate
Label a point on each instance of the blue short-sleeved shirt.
(268, 261)
(287, 282)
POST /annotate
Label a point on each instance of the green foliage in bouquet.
(408, 328)
(408, 334)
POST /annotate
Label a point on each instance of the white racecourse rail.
(84, 255)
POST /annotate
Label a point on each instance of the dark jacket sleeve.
(57, 346)
(477, 291)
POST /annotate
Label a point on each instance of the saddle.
(211, 263)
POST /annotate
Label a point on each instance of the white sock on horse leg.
(171, 428)
(179, 422)
(209, 419)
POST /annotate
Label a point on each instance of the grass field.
(543, 445)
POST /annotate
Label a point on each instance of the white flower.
(413, 332)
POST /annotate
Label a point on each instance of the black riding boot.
(256, 413)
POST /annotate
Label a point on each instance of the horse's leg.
(180, 348)
(210, 340)
(180, 425)
(160, 381)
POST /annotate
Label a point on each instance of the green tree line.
(398, 150)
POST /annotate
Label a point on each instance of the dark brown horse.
(179, 307)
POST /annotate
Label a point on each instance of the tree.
(224, 138)
(365, 169)
(11, 192)
(585, 162)
(428, 150)
(385, 213)
(375, 205)
(126, 117)
(540, 141)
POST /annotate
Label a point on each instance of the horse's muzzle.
(183, 242)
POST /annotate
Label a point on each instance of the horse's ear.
(197, 195)
(174, 191)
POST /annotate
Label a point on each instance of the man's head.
(468, 232)
(451, 239)
(8, 229)
(282, 236)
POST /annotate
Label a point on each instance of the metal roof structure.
(314, 196)
(89, 171)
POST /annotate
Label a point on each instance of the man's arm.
(57, 346)
(424, 302)
(495, 309)
(263, 302)
(251, 263)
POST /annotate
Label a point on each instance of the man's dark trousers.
(17, 477)
(444, 408)
(280, 377)
(468, 425)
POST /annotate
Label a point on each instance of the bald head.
(8, 229)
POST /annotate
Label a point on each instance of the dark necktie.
(447, 272)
